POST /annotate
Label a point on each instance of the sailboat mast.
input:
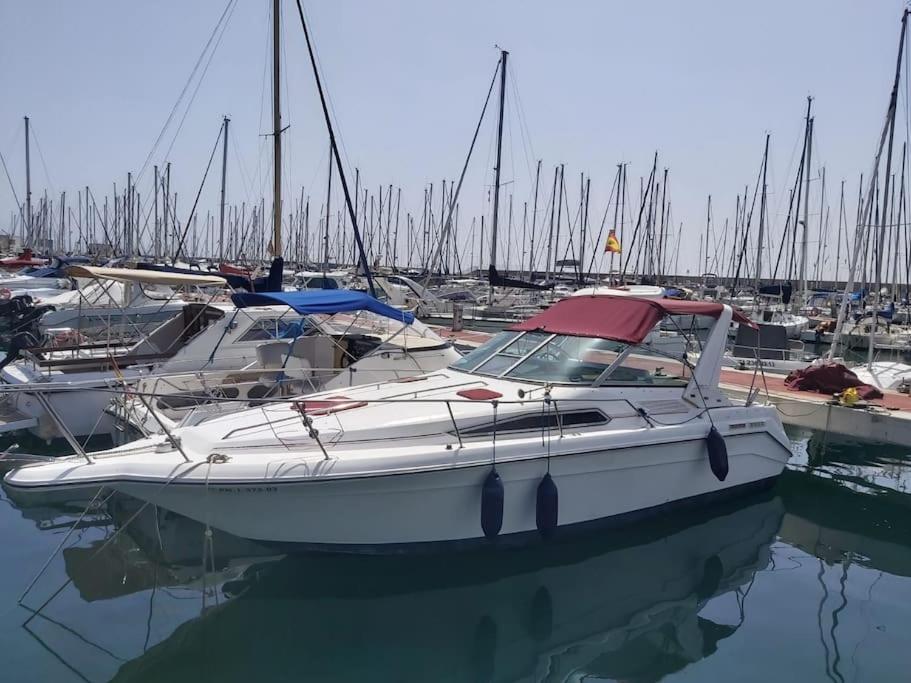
(28, 190)
(610, 273)
(866, 207)
(708, 224)
(362, 254)
(806, 212)
(221, 207)
(504, 55)
(534, 216)
(328, 215)
(762, 211)
(880, 242)
(276, 131)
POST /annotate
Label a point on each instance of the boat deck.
(885, 420)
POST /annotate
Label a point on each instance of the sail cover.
(620, 318)
(497, 280)
(328, 301)
(270, 283)
(197, 278)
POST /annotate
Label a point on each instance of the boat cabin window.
(553, 419)
(319, 283)
(474, 358)
(277, 328)
(566, 359)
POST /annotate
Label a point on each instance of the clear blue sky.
(600, 82)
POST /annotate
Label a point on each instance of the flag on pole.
(613, 244)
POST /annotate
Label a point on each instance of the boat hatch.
(479, 394)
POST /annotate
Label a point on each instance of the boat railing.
(283, 375)
(795, 351)
(543, 406)
(136, 396)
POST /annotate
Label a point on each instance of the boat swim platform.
(885, 420)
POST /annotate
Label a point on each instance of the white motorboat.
(286, 343)
(105, 303)
(63, 392)
(893, 375)
(638, 291)
(38, 288)
(793, 324)
(886, 335)
(311, 279)
(553, 426)
(217, 351)
(766, 347)
(447, 306)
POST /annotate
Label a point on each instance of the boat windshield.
(565, 359)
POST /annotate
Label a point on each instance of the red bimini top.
(620, 318)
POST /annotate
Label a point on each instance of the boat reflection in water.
(157, 548)
(626, 608)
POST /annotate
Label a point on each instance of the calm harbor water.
(810, 582)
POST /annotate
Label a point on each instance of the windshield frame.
(510, 337)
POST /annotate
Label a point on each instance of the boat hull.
(427, 509)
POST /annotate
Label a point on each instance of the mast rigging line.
(12, 186)
(447, 226)
(642, 203)
(866, 208)
(524, 132)
(47, 174)
(104, 225)
(341, 171)
(749, 217)
(597, 243)
(220, 25)
(343, 150)
(189, 222)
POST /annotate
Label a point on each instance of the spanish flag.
(613, 244)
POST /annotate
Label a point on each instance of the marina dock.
(885, 420)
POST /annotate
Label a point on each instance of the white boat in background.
(286, 343)
(311, 279)
(793, 324)
(886, 336)
(766, 347)
(893, 375)
(638, 291)
(443, 307)
(212, 352)
(106, 301)
(38, 288)
(63, 391)
(555, 425)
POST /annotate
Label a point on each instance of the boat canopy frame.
(328, 301)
